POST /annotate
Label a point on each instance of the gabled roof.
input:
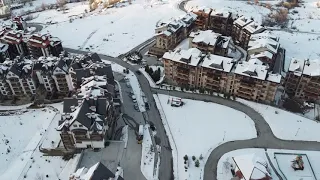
(312, 67)
(191, 56)
(242, 21)
(207, 37)
(217, 62)
(254, 27)
(96, 172)
(296, 66)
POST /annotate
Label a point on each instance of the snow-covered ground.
(112, 31)
(204, 126)
(284, 163)
(21, 137)
(148, 156)
(286, 125)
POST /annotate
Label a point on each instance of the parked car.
(128, 85)
(147, 106)
(134, 99)
(136, 107)
(138, 72)
(131, 92)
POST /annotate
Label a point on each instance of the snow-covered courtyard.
(204, 126)
(281, 159)
(22, 134)
(286, 125)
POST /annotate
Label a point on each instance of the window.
(80, 125)
(75, 125)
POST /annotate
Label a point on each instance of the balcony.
(244, 95)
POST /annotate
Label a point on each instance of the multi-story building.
(90, 65)
(238, 25)
(21, 79)
(221, 22)
(247, 31)
(16, 42)
(303, 79)
(87, 120)
(203, 16)
(248, 79)
(253, 81)
(214, 73)
(209, 41)
(265, 47)
(54, 75)
(44, 45)
(181, 66)
(170, 34)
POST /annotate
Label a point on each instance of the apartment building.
(253, 81)
(20, 78)
(170, 34)
(44, 45)
(16, 42)
(221, 22)
(87, 120)
(242, 30)
(209, 41)
(54, 75)
(303, 79)
(90, 65)
(202, 20)
(263, 46)
(181, 66)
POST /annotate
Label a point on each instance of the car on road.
(147, 106)
(136, 107)
(128, 85)
(131, 92)
(138, 72)
(134, 99)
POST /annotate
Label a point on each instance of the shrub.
(185, 157)
(193, 158)
(61, 3)
(201, 157)
(318, 4)
(197, 163)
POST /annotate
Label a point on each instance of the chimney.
(93, 108)
(87, 98)
(63, 116)
(68, 115)
(79, 101)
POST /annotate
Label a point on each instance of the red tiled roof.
(12, 37)
(41, 41)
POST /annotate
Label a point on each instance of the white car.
(134, 99)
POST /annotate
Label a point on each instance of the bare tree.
(61, 3)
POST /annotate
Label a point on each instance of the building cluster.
(88, 116)
(208, 65)
(14, 41)
(303, 79)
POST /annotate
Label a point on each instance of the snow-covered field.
(21, 137)
(283, 160)
(286, 125)
(204, 126)
(112, 31)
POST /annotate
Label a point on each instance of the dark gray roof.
(95, 57)
(68, 102)
(102, 172)
(16, 69)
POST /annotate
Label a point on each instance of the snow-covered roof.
(296, 66)
(191, 56)
(201, 9)
(242, 21)
(254, 27)
(251, 166)
(252, 68)
(274, 77)
(312, 67)
(220, 12)
(217, 62)
(207, 37)
(259, 41)
(262, 54)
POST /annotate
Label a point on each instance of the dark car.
(147, 106)
(138, 72)
(136, 107)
